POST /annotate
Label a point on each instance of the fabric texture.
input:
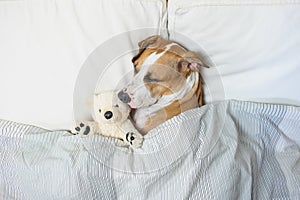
(252, 46)
(224, 150)
(44, 44)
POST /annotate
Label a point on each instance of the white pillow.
(252, 45)
(44, 44)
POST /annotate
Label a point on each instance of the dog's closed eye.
(149, 79)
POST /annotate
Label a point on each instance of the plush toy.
(110, 119)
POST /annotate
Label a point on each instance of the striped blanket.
(224, 150)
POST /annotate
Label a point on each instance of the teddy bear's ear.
(90, 101)
(90, 104)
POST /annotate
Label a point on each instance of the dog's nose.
(108, 115)
(124, 97)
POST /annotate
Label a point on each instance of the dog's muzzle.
(124, 97)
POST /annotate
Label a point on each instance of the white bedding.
(225, 150)
(253, 46)
(44, 43)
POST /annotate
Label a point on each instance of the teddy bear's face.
(107, 108)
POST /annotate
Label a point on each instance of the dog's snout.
(108, 115)
(124, 97)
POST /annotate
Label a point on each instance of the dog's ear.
(149, 41)
(190, 62)
(145, 44)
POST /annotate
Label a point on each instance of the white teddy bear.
(110, 119)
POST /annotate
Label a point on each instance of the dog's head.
(163, 70)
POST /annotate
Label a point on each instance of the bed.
(243, 144)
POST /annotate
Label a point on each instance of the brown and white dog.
(166, 82)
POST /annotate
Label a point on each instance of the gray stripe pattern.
(223, 150)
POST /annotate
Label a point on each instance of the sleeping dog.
(166, 82)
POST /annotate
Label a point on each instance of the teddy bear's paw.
(135, 140)
(81, 129)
